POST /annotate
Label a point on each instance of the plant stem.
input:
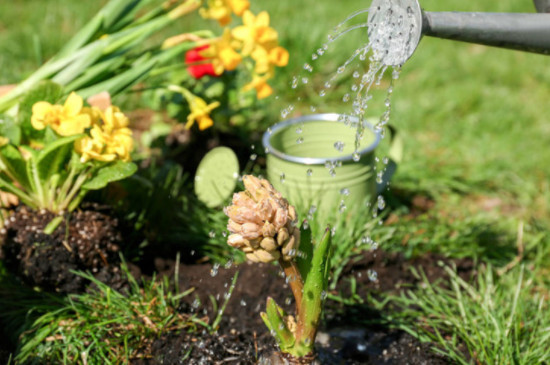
(294, 280)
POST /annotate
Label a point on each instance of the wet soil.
(350, 335)
(86, 240)
(90, 240)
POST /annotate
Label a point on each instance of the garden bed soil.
(349, 336)
(87, 240)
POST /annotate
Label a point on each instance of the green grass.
(499, 320)
(476, 128)
(106, 326)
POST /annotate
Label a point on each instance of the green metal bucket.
(299, 165)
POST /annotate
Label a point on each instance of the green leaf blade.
(104, 175)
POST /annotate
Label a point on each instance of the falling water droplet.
(346, 98)
(373, 275)
(212, 234)
(294, 84)
(309, 172)
(308, 67)
(342, 207)
(253, 157)
(356, 156)
(341, 69)
(356, 74)
(381, 203)
(299, 130)
(322, 93)
(282, 177)
(305, 80)
(339, 146)
(243, 303)
(214, 270)
(344, 191)
(300, 140)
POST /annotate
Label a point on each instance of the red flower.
(197, 68)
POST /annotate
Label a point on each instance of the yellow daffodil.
(222, 53)
(266, 59)
(221, 10)
(263, 90)
(200, 112)
(255, 31)
(68, 119)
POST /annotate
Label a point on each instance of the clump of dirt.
(86, 240)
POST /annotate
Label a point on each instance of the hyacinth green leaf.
(306, 248)
(54, 156)
(274, 315)
(113, 172)
(316, 285)
(15, 165)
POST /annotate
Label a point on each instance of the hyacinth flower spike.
(264, 226)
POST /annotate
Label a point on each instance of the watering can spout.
(396, 27)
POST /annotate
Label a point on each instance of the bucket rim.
(322, 117)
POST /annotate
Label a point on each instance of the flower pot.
(311, 162)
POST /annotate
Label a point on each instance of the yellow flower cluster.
(109, 140)
(254, 39)
(109, 136)
(221, 10)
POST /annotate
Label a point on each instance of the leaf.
(114, 172)
(15, 164)
(52, 159)
(315, 285)
(306, 247)
(274, 316)
(10, 129)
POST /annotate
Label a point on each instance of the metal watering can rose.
(311, 161)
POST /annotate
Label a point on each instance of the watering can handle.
(395, 155)
(543, 6)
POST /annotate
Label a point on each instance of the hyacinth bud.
(262, 222)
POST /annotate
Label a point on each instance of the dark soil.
(349, 335)
(86, 240)
(355, 334)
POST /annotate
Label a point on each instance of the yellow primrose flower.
(200, 112)
(222, 53)
(66, 120)
(114, 119)
(221, 10)
(111, 140)
(266, 59)
(92, 148)
(263, 90)
(255, 31)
